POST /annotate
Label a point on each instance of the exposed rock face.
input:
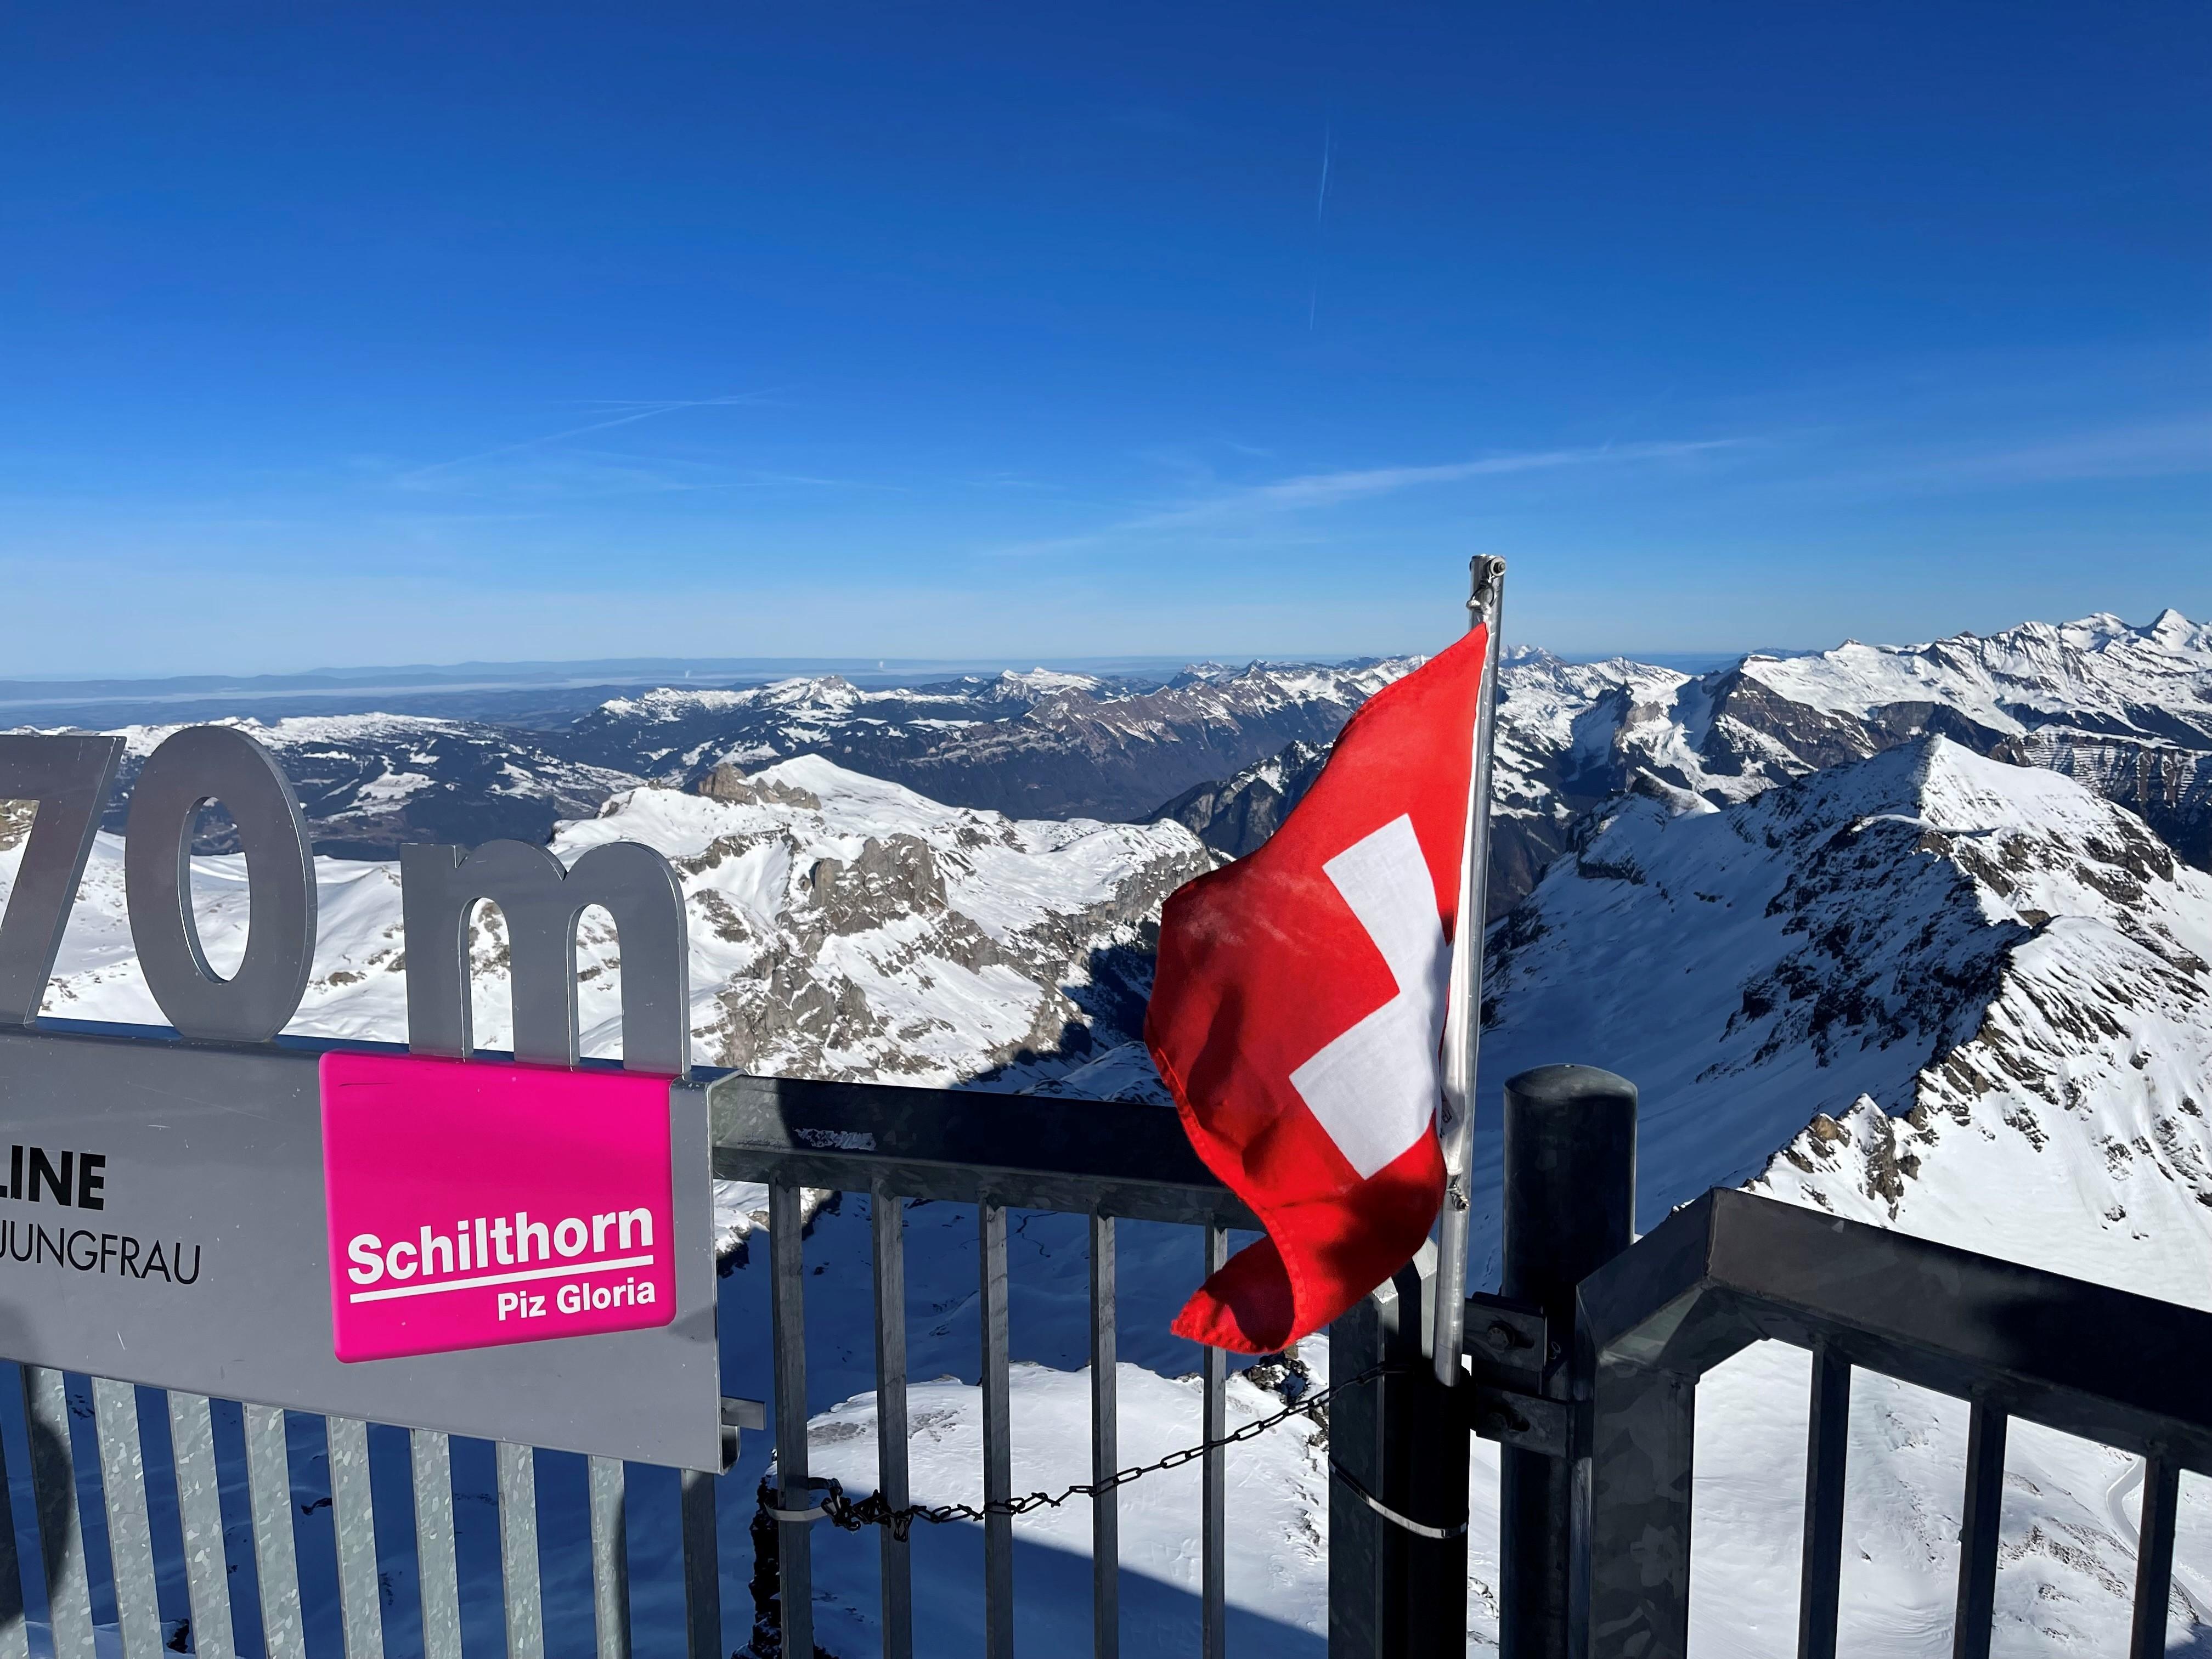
(1234, 814)
(1984, 989)
(846, 927)
(841, 926)
(2127, 711)
(1543, 778)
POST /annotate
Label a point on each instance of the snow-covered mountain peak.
(1972, 955)
(669, 703)
(2009, 680)
(1043, 682)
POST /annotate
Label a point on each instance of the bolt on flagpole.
(1463, 1019)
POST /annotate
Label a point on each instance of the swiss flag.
(1298, 1008)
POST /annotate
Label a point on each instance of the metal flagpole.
(1463, 1019)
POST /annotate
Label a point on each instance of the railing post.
(1570, 1202)
(1368, 1452)
(1395, 1592)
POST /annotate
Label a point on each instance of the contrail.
(1321, 204)
(637, 412)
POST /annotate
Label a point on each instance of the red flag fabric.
(1297, 1010)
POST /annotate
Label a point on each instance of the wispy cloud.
(1885, 468)
(1314, 491)
(2167, 449)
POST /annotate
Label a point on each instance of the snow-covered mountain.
(1927, 990)
(841, 926)
(1892, 989)
(2127, 710)
(1540, 782)
(1038, 745)
(369, 784)
(1234, 814)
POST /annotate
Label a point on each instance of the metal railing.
(1733, 1269)
(1104, 1159)
(1597, 1544)
(1585, 1367)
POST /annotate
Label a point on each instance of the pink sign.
(473, 1205)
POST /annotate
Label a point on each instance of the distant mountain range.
(1908, 934)
(2126, 710)
(1227, 750)
(1037, 744)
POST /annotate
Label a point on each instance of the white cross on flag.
(1298, 1009)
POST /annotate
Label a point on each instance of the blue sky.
(352, 333)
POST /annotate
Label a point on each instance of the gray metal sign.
(163, 1214)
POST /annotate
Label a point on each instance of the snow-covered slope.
(1927, 990)
(1966, 975)
(841, 926)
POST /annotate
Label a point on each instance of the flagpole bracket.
(1526, 1422)
(1512, 1376)
(1486, 574)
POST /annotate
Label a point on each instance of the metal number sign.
(163, 1217)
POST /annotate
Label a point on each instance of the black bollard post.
(1397, 1507)
(1570, 1206)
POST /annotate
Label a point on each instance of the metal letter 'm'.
(69, 778)
(194, 766)
(542, 903)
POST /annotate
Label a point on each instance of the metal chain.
(853, 1514)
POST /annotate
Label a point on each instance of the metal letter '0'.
(541, 902)
(219, 763)
(69, 778)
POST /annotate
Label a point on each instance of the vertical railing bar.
(1105, 1448)
(199, 1514)
(787, 1296)
(887, 1222)
(276, 1553)
(703, 1582)
(437, 1574)
(1827, 1446)
(1977, 1533)
(2154, 1558)
(998, 1435)
(519, 1587)
(16, 1633)
(129, 1532)
(53, 1486)
(610, 1559)
(353, 1521)
(1213, 1526)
